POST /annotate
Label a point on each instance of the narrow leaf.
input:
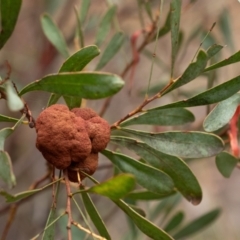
(53, 99)
(221, 114)
(189, 144)
(84, 10)
(166, 27)
(14, 198)
(4, 133)
(183, 178)
(6, 171)
(145, 195)
(143, 224)
(112, 48)
(80, 59)
(198, 224)
(146, 176)
(4, 118)
(72, 102)
(54, 35)
(14, 102)
(79, 29)
(192, 71)
(232, 59)
(105, 25)
(213, 50)
(163, 117)
(78, 84)
(175, 22)
(174, 222)
(116, 187)
(95, 216)
(226, 163)
(213, 95)
(9, 10)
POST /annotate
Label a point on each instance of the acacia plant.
(72, 136)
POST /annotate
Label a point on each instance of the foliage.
(160, 172)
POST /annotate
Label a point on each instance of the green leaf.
(84, 10)
(53, 99)
(183, 178)
(188, 144)
(198, 224)
(163, 117)
(192, 71)
(166, 27)
(79, 29)
(226, 163)
(145, 195)
(143, 224)
(94, 215)
(112, 48)
(224, 24)
(14, 102)
(221, 114)
(72, 102)
(213, 50)
(213, 95)
(175, 22)
(4, 118)
(115, 188)
(80, 59)
(19, 196)
(146, 176)
(4, 133)
(174, 222)
(9, 14)
(78, 84)
(54, 35)
(105, 25)
(230, 60)
(6, 171)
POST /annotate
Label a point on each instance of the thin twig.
(68, 206)
(87, 231)
(10, 220)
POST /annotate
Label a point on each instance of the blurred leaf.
(115, 188)
(214, 49)
(6, 171)
(192, 71)
(80, 59)
(145, 195)
(53, 99)
(14, 102)
(175, 22)
(226, 163)
(166, 27)
(7, 119)
(105, 25)
(14, 198)
(221, 114)
(213, 95)
(163, 117)
(72, 102)
(143, 224)
(4, 133)
(183, 178)
(224, 24)
(174, 222)
(54, 35)
(146, 176)
(84, 10)
(147, 7)
(230, 60)
(78, 84)
(188, 144)
(79, 29)
(112, 48)
(94, 215)
(9, 10)
(138, 210)
(197, 224)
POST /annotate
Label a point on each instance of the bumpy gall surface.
(72, 139)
